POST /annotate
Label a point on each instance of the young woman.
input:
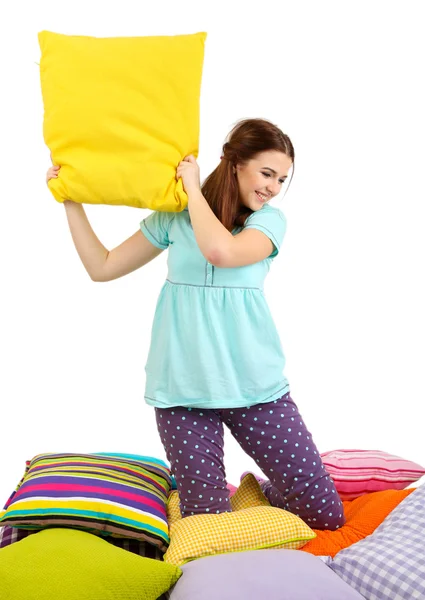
(215, 357)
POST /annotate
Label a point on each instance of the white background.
(345, 81)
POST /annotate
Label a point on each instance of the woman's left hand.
(188, 170)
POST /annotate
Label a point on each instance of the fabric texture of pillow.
(248, 494)
(107, 495)
(140, 457)
(10, 535)
(390, 563)
(363, 515)
(150, 458)
(246, 529)
(120, 113)
(252, 525)
(67, 564)
(358, 472)
(173, 508)
(271, 574)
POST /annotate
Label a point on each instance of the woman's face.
(261, 178)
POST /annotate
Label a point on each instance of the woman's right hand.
(52, 173)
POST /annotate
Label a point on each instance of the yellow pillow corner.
(120, 113)
(248, 494)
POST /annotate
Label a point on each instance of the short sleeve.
(155, 228)
(272, 222)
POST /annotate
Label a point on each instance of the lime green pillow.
(120, 114)
(66, 564)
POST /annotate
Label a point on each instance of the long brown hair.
(247, 139)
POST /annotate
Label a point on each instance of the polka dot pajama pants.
(274, 435)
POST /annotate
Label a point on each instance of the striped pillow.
(358, 472)
(104, 494)
(149, 458)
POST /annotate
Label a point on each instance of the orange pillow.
(363, 515)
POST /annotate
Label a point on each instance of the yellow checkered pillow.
(252, 525)
(120, 113)
(246, 529)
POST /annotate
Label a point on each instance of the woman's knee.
(331, 518)
(324, 505)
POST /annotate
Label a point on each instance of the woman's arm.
(220, 247)
(211, 235)
(217, 244)
(100, 263)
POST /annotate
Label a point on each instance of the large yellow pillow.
(252, 525)
(120, 114)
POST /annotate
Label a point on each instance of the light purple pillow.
(271, 574)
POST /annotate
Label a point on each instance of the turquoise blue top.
(214, 343)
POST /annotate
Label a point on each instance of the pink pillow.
(232, 489)
(358, 472)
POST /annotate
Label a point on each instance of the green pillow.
(67, 564)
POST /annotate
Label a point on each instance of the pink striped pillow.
(358, 472)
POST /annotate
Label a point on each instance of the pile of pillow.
(377, 555)
(68, 500)
(72, 501)
(389, 564)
